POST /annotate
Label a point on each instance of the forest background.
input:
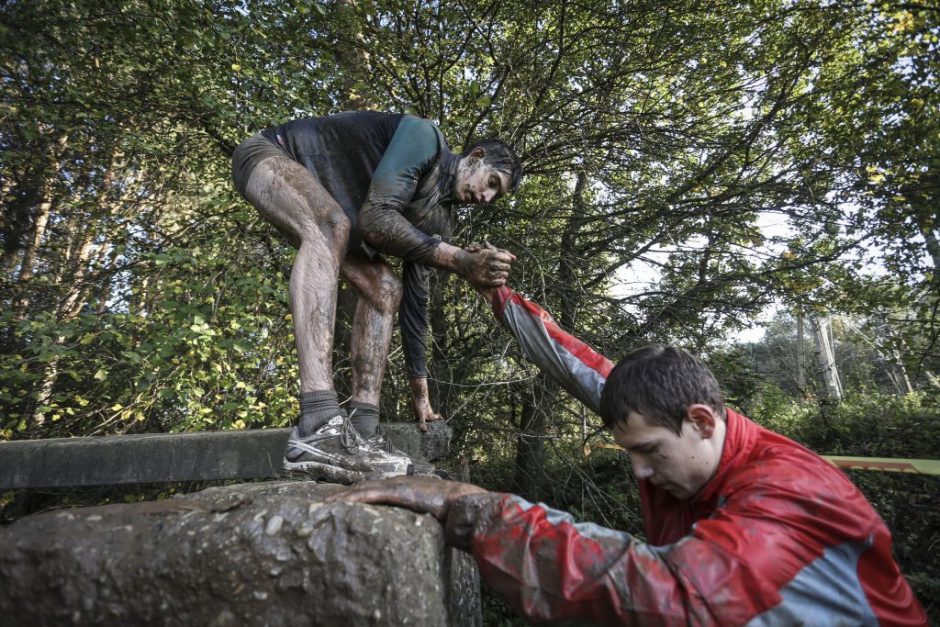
(692, 168)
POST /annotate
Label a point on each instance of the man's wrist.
(418, 386)
(450, 258)
(465, 514)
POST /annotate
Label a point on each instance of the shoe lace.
(349, 438)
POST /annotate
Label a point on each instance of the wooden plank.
(886, 464)
(144, 458)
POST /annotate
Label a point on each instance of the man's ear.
(703, 419)
(478, 152)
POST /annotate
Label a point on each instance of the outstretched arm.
(576, 366)
(413, 315)
(728, 569)
(542, 563)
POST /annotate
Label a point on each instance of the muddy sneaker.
(334, 452)
(387, 462)
(381, 442)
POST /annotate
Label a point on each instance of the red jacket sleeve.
(577, 367)
(549, 569)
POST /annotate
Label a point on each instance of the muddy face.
(478, 182)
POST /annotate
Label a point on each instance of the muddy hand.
(424, 413)
(463, 515)
(421, 403)
(421, 494)
(487, 266)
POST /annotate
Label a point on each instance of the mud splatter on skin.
(290, 198)
(379, 293)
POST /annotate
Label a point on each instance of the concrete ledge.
(245, 555)
(145, 458)
(154, 458)
(426, 446)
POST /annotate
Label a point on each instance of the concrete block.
(248, 554)
(145, 458)
(425, 446)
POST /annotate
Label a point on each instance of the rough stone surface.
(249, 554)
(428, 446)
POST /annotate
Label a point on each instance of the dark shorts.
(256, 149)
(248, 155)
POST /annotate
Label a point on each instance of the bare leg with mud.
(379, 292)
(295, 202)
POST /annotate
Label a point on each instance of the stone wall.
(247, 554)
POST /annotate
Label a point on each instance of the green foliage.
(653, 136)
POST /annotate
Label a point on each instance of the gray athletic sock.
(316, 409)
(365, 418)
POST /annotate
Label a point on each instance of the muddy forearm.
(389, 232)
(450, 258)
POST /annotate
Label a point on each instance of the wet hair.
(661, 383)
(499, 156)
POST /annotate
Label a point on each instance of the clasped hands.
(485, 265)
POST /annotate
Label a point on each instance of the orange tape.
(886, 464)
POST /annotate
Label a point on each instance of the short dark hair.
(501, 157)
(661, 383)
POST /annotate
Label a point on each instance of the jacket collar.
(740, 435)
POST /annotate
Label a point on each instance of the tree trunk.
(72, 273)
(800, 355)
(933, 247)
(43, 211)
(827, 361)
(529, 478)
(902, 380)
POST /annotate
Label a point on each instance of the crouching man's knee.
(388, 293)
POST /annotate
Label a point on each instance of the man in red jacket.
(744, 526)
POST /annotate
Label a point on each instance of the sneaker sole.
(324, 472)
(326, 459)
(387, 473)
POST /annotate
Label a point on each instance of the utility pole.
(826, 358)
(800, 355)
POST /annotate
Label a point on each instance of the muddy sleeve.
(577, 367)
(413, 315)
(412, 153)
(548, 568)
